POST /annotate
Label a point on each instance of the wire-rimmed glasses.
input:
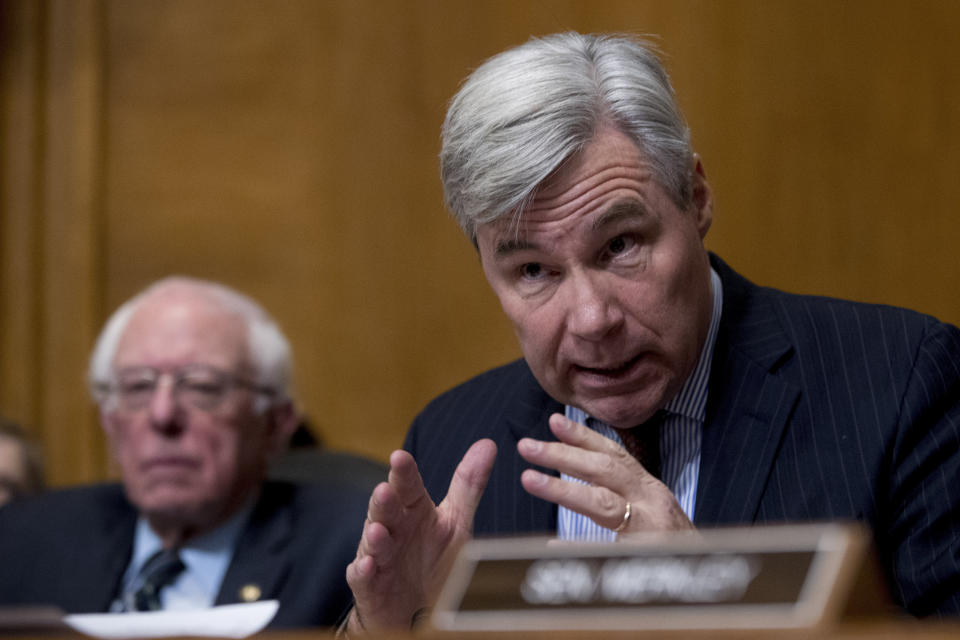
(201, 387)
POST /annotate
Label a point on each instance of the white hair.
(269, 351)
(523, 112)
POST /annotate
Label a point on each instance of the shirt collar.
(206, 557)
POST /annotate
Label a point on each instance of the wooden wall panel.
(289, 149)
(313, 186)
(69, 235)
(51, 185)
(20, 34)
(831, 142)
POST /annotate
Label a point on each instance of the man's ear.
(284, 418)
(702, 197)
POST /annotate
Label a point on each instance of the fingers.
(615, 478)
(611, 469)
(401, 503)
(383, 577)
(408, 545)
(405, 479)
(360, 572)
(384, 504)
(585, 454)
(603, 506)
(580, 436)
(383, 514)
(394, 510)
(468, 483)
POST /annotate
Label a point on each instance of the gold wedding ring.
(626, 519)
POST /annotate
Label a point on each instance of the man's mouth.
(611, 370)
(169, 463)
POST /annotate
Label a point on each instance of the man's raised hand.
(408, 543)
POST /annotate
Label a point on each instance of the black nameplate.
(761, 577)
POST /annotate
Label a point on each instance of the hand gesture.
(409, 544)
(616, 481)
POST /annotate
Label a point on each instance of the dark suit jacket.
(70, 548)
(818, 409)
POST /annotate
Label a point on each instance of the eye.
(204, 388)
(130, 387)
(136, 381)
(531, 271)
(203, 385)
(618, 246)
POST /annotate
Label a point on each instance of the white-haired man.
(193, 384)
(569, 165)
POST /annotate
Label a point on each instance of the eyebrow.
(622, 210)
(513, 245)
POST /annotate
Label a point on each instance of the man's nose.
(163, 405)
(594, 310)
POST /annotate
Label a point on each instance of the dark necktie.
(160, 570)
(643, 442)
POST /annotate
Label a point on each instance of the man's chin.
(174, 506)
(622, 404)
(623, 412)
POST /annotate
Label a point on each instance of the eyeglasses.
(199, 386)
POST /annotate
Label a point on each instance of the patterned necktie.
(643, 442)
(160, 570)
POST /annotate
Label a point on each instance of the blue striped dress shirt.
(680, 436)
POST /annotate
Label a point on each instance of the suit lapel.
(748, 408)
(260, 564)
(534, 409)
(107, 556)
(529, 421)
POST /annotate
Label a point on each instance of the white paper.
(226, 621)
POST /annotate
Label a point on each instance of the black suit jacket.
(818, 409)
(70, 548)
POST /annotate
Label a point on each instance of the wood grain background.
(288, 148)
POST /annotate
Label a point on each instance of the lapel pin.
(250, 593)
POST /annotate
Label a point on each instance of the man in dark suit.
(659, 390)
(192, 380)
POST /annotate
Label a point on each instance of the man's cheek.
(117, 449)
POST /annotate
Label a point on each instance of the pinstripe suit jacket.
(818, 409)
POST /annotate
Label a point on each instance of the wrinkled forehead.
(182, 326)
(609, 178)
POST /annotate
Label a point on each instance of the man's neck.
(176, 529)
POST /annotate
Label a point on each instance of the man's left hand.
(615, 479)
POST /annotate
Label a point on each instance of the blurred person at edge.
(193, 381)
(568, 164)
(21, 463)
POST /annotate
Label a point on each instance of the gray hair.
(269, 350)
(523, 112)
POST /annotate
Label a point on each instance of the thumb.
(468, 483)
